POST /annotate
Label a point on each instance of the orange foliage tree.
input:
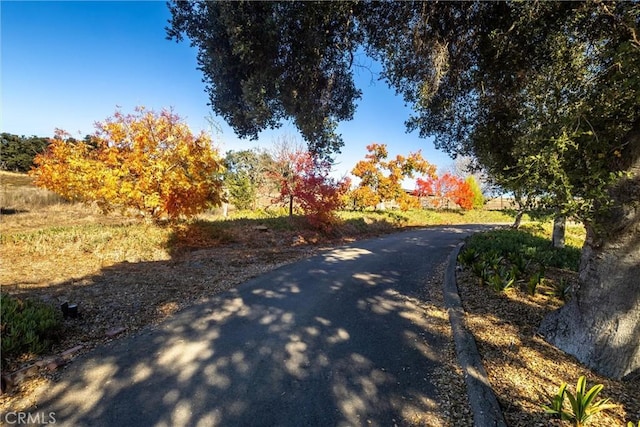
(444, 188)
(147, 161)
(381, 179)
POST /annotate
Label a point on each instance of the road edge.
(484, 404)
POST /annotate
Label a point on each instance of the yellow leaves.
(381, 180)
(149, 161)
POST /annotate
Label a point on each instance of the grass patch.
(17, 193)
(424, 217)
(574, 232)
(508, 259)
(511, 244)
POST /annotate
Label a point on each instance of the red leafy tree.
(305, 182)
(444, 188)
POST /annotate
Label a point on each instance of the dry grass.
(17, 193)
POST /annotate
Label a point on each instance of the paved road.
(339, 339)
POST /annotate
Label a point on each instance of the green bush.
(27, 326)
(522, 248)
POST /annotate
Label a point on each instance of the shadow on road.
(343, 338)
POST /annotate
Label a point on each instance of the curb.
(484, 405)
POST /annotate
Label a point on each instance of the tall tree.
(17, 152)
(545, 95)
(477, 201)
(304, 180)
(246, 173)
(446, 188)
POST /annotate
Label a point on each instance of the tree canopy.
(268, 61)
(545, 95)
(245, 174)
(17, 152)
(147, 161)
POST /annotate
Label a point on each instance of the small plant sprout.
(481, 270)
(560, 289)
(520, 262)
(533, 283)
(494, 259)
(502, 280)
(557, 403)
(581, 407)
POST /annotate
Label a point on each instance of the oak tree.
(544, 94)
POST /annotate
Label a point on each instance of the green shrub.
(481, 270)
(534, 281)
(520, 262)
(561, 289)
(27, 326)
(468, 256)
(503, 279)
(523, 249)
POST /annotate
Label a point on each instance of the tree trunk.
(290, 206)
(557, 237)
(518, 220)
(600, 325)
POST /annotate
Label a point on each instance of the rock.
(68, 353)
(56, 363)
(115, 331)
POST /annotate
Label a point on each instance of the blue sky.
(69, 64)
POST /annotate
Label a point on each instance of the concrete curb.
(484, 405)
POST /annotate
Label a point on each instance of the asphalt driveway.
(339, 339)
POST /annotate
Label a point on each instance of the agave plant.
(534, 281)
(557, 402)
(481, 270)
(520, 262)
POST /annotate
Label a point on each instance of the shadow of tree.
(341, 338)
(523, 367)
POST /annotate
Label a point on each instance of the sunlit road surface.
(339, 339)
